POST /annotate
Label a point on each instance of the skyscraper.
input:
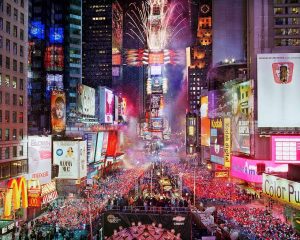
(13, 91)
(54, 58)
(97, 43)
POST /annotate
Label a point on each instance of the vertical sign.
(227, 142)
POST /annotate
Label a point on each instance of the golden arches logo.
(15, 188)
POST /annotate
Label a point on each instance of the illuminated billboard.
(58, 112)
(116, 112)
(70, 156)
(242, 115)
(286, 149)
(156, 124)
(155, 101)
(112, 143)
(278, 87)
(54, 81)
(157, 85)
(281, 189)
(56, 35)
(54, 58)
(205, 122)
(122, 109)
(39, 158)
(86, 100)
(219, 103)
(37, 30)
(249, 170)
(156, 70)
(91, 139)
(217, 141)
(98, 153)
(106, 105)
(115, 71)
(156, 58)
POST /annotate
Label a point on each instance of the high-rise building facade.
(97, 43)
(13, 88)
(54, 58)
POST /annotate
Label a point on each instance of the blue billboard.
(56, 35)
(37, 30)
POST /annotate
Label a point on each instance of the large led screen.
(56, 35)
(37, 30)
(219, 103)
(156, 70)
(99, 144)
(86, 100)
(39, 158)
(156, 85)
(106, 105)
(242, 115)
(91, 139)
(286, 149)
(54, 58)
(278, 84)
(54, 81)
(58, 112)
(205, 122)
(217, 141)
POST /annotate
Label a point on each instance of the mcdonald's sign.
(15, 187)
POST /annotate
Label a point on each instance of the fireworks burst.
(155, 23)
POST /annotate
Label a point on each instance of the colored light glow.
(56, 35)
(37, 30)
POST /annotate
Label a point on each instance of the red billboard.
(54, 58)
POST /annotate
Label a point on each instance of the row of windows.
(14, 136)
(14, 64)
(14, 29)
(8, 82)
(13, 169)
(287, 21)
(287, 31)
(9, 45)
(286, 1)
(15, 117)
(287, 42)
(286, 10)
(7, 99)
(8, 6)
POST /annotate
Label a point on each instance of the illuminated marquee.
(15, 188)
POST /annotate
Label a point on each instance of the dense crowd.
(256, 222)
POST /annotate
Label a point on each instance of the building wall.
(13, 86)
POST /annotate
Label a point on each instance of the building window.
(7, 81)
(0, 134)
(1, 23)
(7, 116)
(21, 134)
(15, 31)
(15, 49)
(15, 14)
(7, 45)
(22, 3)
(1, 42)
(21, 152)
(0, 97)
(0, 60)
(7, 63)
(15, 65)
(22, 18)
(21, 34)
(8, 9)
(7, 134)
(0, 116)
(0, 147)
(6, 153)
(7, 27)
(14, 134)
(21, 84)
(20, 100)
(14, 82)
(14, 99)
(14, 151)
(7, 97)
(21, 117)
(21, 51)
(14, 117)
(1, 9)
(21, 67)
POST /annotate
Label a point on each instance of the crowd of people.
(256, 223)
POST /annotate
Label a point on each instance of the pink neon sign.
(286, 149)
(246, 169)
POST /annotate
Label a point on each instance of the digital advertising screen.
(39, 158)
(106, 105)
(66, 154)
(217, 141)
(156, 124)
(58, 112)
(219, 103)
(116, 112)
(156, 58)
(278, 87)
(115, 71)
(105, 143)
(86, 100)
(54, 82)
(112, 143)
(285, 149)
(99, 144)
(82, 159)
(155, 101)
(37, 30)
(205, 122)
(91, 139)
(242, 117)
(54, 58)
(56, 35)
(157, 85)
(156, 70)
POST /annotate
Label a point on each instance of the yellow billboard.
(227, 142)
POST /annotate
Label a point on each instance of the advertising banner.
(106, 105)
(248, 170)
(156, 124)
(205, 122)
(281, 189)
(54, 81)
(278, 87)
(105, 143)
(156, 70)
(112, 143)
(37, 30)
(86, 100)
(227, 142)
(217, 141)
(56, 35)
(116, 112)
(71, 158)
(91, 139)
(99, 147)
(157, 85)
(39, 158)
(34, 193)
(58, 112)
(286, 149)
(54, 58)
(242, 116)
(219, 103)
(155, 101)
(48, 192)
